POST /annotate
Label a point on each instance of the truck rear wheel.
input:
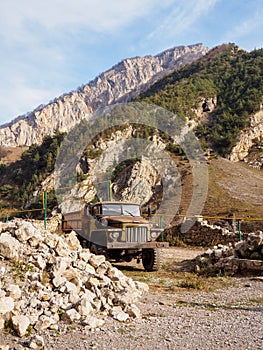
(152, 259)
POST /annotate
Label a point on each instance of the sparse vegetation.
(20, 179)
(232, 76)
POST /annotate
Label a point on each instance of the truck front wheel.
(152, 259)
(94, 249)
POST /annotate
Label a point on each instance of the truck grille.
(136, 234)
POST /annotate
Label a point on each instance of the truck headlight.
(115, 234)
(104, 222)
(154, 234)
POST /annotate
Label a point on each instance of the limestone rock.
(37, 342)
(71, 315)
(133, 311)
(62, 283)
(93, 322)
(9, 246)
(119, 314)
(242, 256)
(28, 232)
(96, 260)
(20, 323)
(13, 291)
(2, 323)
(6, 305)
(85, 307)
(248, 137)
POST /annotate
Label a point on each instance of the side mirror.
(94, 211)
(149, 213)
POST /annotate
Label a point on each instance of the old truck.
(117, 230)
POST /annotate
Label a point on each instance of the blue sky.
(51, 47)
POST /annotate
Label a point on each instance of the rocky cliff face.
(122, 82)
(249, 138)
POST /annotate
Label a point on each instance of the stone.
(85, 307)
(133, 311)
(73, 241)
(118, 314)
(84, 255)
(60, 265)
(93, 281)
(4, 347)
(126, 297)
(59, 281)
(44, 322)
(96, 260)
(142, 287)
(27, 232)
(51, 240)
(71, 315)
(20, 324)
(56, 287)
(36, 342)
(2, 323)
(13, 291)
(41, 262)
(9, 246)
(6, 305)
(61, 249)
(92, 322)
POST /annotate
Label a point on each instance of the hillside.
(219, 96)
(226, 84)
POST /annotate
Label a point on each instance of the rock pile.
(242, 256)
(46, 278)
(205, 234)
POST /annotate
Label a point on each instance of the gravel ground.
(228, 317)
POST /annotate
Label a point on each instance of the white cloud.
(250, 27)
(18, 17)
(182, 16)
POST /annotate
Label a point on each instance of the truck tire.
(152, 259)
(94, 249)
(97, 249)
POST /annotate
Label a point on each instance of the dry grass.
(168, 281)
(12, 154)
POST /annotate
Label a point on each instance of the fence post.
(109, 190)
(161, 226)
(239, 230)
(6, 217)
(44, 198)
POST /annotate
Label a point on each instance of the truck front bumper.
(136, 246)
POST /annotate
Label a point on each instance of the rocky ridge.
(247, 139)
(120, 83)
(48, 278)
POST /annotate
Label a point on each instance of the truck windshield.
(121, 209)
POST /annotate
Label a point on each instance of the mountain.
(218, 95)
(120, 83)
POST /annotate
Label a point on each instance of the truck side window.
(94, 211)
